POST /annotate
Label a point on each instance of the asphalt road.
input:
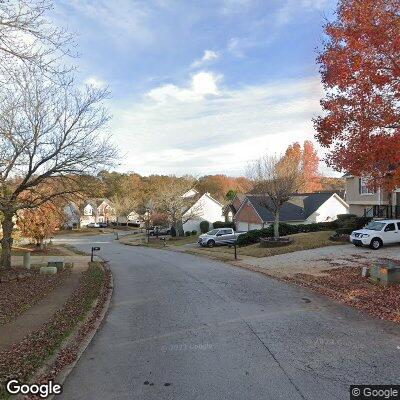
(184, 327)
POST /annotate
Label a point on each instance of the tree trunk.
(276, 224)
(6, 242)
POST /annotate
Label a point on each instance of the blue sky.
(201, 86)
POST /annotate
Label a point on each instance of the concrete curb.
(62, 376)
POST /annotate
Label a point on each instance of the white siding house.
(329, 210)
(206, 208)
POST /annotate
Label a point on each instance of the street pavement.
(185, 327)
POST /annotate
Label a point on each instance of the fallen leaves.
(20, 289)
(22, 359)
(347, 286)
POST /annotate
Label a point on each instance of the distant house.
(302, 208)
(364, 201)
(72, 216)
(230, 210)
(97, 210)
(200, 208)
(134, 218)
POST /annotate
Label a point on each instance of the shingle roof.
(298, 208)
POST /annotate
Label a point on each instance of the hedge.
(222, 224)
(204, 226)
(342, 224)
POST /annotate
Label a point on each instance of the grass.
(179, 241)
(141, 240)
(302, 241)
(74, 249)
(49, 250)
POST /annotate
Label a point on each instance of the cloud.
(122, 20)
(95, 82)
(202, 84)
(290, 9)
(209, 55)
(236, 6)
(215, 134)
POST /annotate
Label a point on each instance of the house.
(72, 216)
(365, 201)
(97, 210)
(134, 218)
(200, 207)
(302, 208)
(229, 211)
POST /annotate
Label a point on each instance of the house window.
(364, 189)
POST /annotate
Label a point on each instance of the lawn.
(49, 250)
(141, 240)
(181, 240)
(302, 241)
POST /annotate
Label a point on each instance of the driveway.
(315, 261)
(184, 327)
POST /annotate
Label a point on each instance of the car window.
(226, 231)
(398, 226)
(212, 232)
(390, 227)
(375, 226)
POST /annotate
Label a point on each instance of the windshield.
(375, 226)
(213, 232)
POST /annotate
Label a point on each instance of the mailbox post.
(93, 250)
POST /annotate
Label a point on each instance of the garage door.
(242, 226)
(254, 226)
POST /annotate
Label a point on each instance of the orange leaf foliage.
(360, 69)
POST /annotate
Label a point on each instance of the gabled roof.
(191, 201)
(298, 208)
(95, 203)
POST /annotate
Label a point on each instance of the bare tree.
(172, 202)
(49, 135)
(28, 38)
(276, 179)
(123, 204)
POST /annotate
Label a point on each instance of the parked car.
(220, 236)
(93, 225)
(159, 231)
(377, 233)
(103, 225)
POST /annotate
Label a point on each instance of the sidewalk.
(38, 314)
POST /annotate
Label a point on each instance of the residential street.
(184, 327)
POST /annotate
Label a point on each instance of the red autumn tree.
(360, 70)
(308, 163)
(40, 223)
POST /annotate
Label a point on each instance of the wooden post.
(27, 260)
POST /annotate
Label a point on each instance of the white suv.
(377, 233)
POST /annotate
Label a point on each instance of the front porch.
(383, 211)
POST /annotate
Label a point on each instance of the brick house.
(302, 208)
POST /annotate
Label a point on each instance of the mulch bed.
(20, 289)
(23, 359)
(346, 285)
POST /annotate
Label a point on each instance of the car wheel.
(376, 244)
(211, 243)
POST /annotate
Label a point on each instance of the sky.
(201, 86)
